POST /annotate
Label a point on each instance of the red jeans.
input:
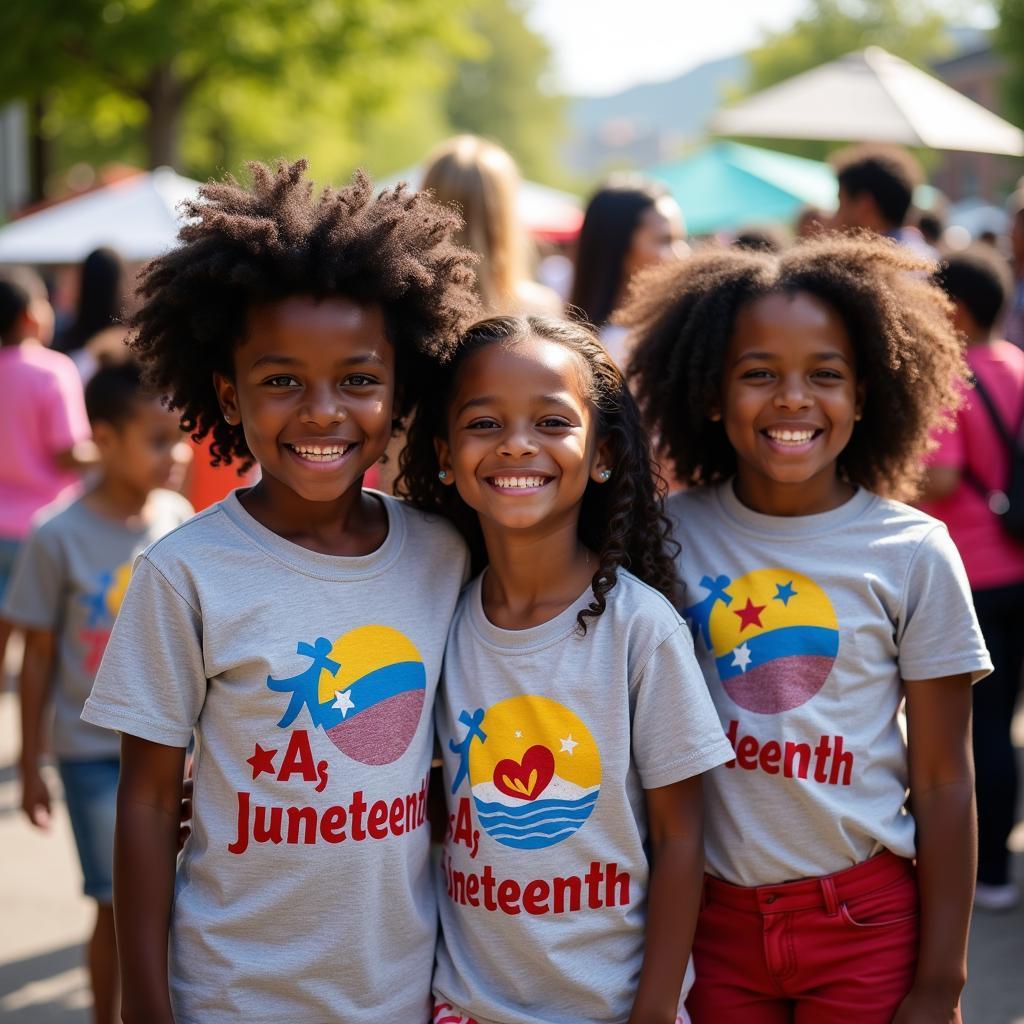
(834, 950)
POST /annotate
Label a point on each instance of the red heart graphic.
(526, 779)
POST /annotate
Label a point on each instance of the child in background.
(296, 627)
(796, 394)
(970, 467)
(573, 719)
(67, 586)
(43, 426)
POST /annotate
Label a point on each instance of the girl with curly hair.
(288, 627)
(795, 394)
(568, 676)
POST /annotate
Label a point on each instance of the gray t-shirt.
(806, 627)
(549, 740)
(70, 577)
(304, 893)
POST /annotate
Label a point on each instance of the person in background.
(931, 226)
(629, 224)
(481, 180)
(876, 189)
(1015, 318)
(970, 463)
(761, 238)
(96, 335)
(44, 431)
(65, 592)
(810, 222)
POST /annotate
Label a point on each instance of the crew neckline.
(533, 638)
(792, 526)
(316, 563)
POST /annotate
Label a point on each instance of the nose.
(323, 405)
(517, 442)
(792, 393)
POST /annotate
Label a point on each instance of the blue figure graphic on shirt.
(305, 687)
(474, 732)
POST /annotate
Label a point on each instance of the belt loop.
(828, 892)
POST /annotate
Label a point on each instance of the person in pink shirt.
(969, 467)
(44, 432)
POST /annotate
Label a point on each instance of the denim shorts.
(90, 791)
(8, 550)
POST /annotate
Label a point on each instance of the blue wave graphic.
(814, 641)
(536, 823)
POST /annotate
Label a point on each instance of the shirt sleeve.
(33, 598)
(676, 731)
(65, 422)
(950, 449)
(152, 680)
(937, 632)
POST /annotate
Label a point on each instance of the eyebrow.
(360, 359)
(772, 356)
(473, 403)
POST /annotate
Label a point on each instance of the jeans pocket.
(893, 905)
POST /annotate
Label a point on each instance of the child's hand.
(35, 798)
(923, 1006)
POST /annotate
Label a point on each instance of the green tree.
(1009, 39)
(911, 29)
(131, 71)
(504, 92)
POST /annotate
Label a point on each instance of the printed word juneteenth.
(602, 886)
(826, 762)
(355, 822)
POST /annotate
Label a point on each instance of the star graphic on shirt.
(519, 734)
(783, 592)
(741, 657)
(568, 745)
(262, 761)
(343, 702)
(750, 615)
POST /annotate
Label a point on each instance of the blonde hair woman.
(482, 181)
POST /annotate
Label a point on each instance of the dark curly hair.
(274, 239)
(908, 355)
(621, 520)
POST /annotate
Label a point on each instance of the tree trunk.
(165, 96)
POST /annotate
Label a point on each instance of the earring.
(605, 474)
(442, 474)
(227, 418)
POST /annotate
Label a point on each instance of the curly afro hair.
(621, 520)
(276, 238)
(908, 355)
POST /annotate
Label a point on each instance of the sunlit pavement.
(44, 917)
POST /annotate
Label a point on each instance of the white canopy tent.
(137, 216)
(871, 96)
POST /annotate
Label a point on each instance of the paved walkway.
(44, 918)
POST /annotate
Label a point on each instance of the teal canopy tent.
(726, 185)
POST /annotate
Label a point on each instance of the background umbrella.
(871, 96)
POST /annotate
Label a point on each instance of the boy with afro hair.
(296, 628)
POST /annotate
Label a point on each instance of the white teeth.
(316, 453)
(518, 482)
(791, 436)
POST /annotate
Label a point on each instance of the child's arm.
(942, 795)
(145, 850)
(35, 684)
(676, 835)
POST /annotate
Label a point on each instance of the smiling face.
(522, 444)
(313, 389)
(790, 398)
(146, 449)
